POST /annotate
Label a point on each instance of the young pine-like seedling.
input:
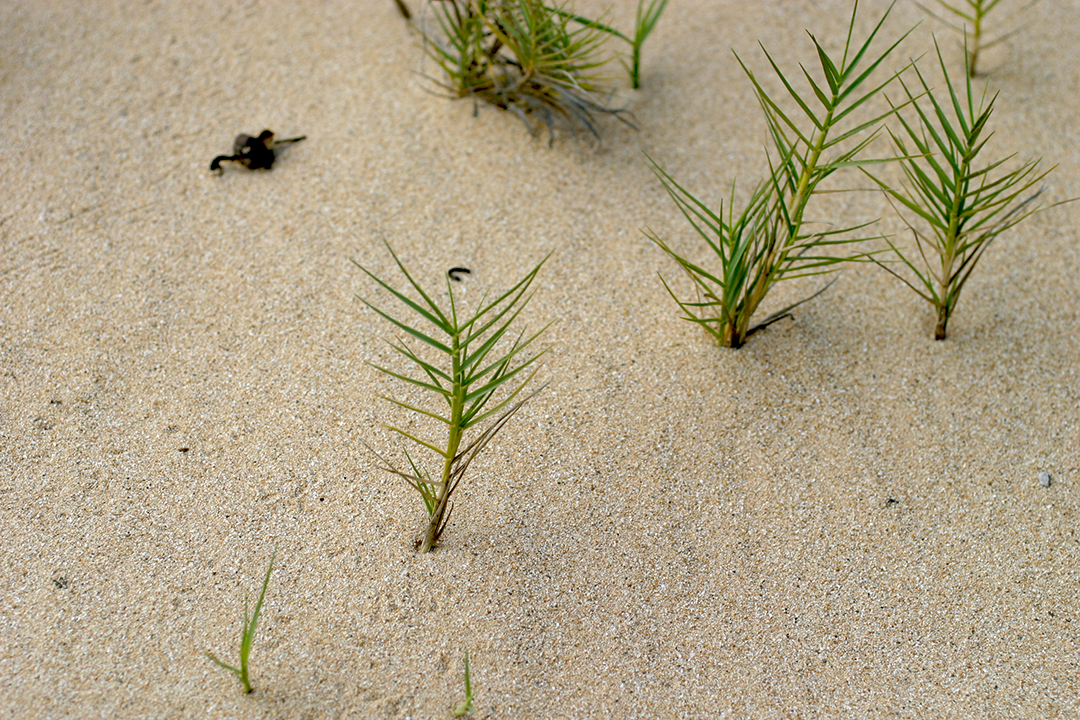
(465, 706)
(960, 202)
(247, 634)
(971, 14)
(478, 371)
(768, 240)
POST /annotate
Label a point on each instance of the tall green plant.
(768, 240)
(961, 202)
(971, 14)
(477, 358)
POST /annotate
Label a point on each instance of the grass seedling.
(465, 706)
(477, 358)
(644, 23)
(531, 58)
(643, 26)
(972, 14)
(247, 635)
(768, 240)
(962, 204)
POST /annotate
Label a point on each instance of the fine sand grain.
(842, 519)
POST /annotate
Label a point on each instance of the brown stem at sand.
(732, 338)
(942, 321)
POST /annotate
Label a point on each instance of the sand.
(842, 519)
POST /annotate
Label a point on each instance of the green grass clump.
(971, 14)
(476, 359)
(247, 634)
(961, 202)
(768, 240)
(465, 706)
(531, 58)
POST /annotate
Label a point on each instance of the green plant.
(465, 377)
(531, 58)
(768, 240)
(974, 12)
(643, 25)
(247, 635)
(465, 706)
(964, 204)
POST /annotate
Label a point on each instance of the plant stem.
(942, 321)
(973, 54)
(735, 333)
(635, 72)
(457, 407)
(952, 236)
(732, 338)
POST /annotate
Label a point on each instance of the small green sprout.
(643, 25)
(465, 706)
(247, 637)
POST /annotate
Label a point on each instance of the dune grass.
(479, 370)
(534, 59)
(768, 240)
(953, 201)
(969, 17)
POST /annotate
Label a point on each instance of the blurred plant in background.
(535, 60)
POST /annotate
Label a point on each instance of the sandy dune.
(842, 519)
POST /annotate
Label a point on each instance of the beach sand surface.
(843, 519)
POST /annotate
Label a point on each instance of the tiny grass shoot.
(464, 375)
(646, 20)
(465, 706)
(247, 635)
